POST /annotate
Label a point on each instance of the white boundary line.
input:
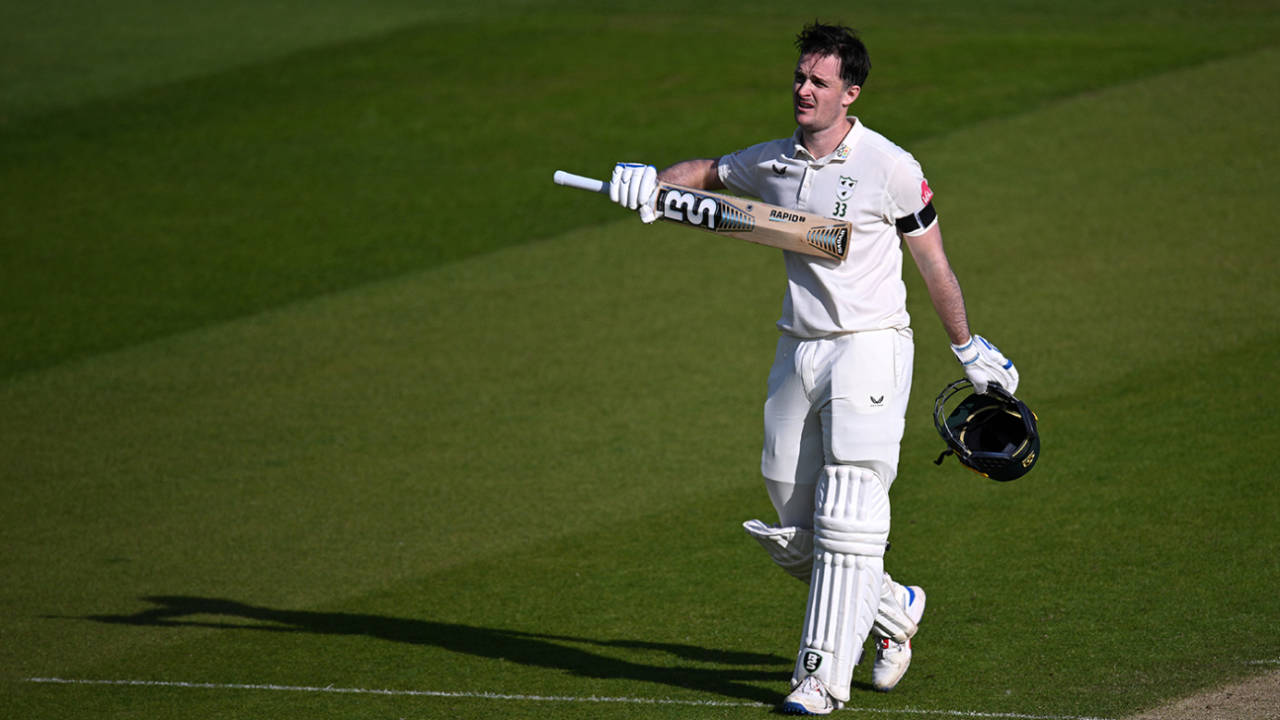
(371, 691)
(533, 698)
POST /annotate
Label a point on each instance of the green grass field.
(313, 385)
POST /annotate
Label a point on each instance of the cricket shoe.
(809, 698)
(893, 658)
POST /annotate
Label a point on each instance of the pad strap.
(892, 620)
(790, 547)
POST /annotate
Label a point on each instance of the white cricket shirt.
(867, 180)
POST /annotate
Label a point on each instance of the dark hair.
(840, 41)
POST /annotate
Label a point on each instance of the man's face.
(819, 96)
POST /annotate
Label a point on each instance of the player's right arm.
(700, 173)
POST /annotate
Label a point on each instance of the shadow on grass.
(534, 649)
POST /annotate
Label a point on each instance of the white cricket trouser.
(840, 400)
(834, 419)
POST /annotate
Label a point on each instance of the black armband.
(917, 220)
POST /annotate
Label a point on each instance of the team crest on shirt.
(847, 184)
(925, 193)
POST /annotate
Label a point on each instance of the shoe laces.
(812, 686)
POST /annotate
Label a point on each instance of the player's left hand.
(984, 363)
(633, 186)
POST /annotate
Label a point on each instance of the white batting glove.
(984, 363)
(635, 186)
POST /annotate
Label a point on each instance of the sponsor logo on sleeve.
(925, 193)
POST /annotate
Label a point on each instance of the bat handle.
(580, 182)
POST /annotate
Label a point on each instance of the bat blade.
(754, 221)
(741, 218)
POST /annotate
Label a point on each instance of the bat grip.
(580, 182)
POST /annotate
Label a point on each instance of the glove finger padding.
(646, 190)
(634, 178)
(633, 186)
(984, 364)
(617, 185)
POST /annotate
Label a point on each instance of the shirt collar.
(842, 151)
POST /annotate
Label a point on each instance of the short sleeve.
(910, 200)
(737, 170)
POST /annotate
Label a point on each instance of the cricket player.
(837, 392)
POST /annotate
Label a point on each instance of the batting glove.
(635, 186)
(984, 363)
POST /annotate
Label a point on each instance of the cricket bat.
(749, 220)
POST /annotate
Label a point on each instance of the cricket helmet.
(993, 434)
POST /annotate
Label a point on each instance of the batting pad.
(790, 547)
(850, 532)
